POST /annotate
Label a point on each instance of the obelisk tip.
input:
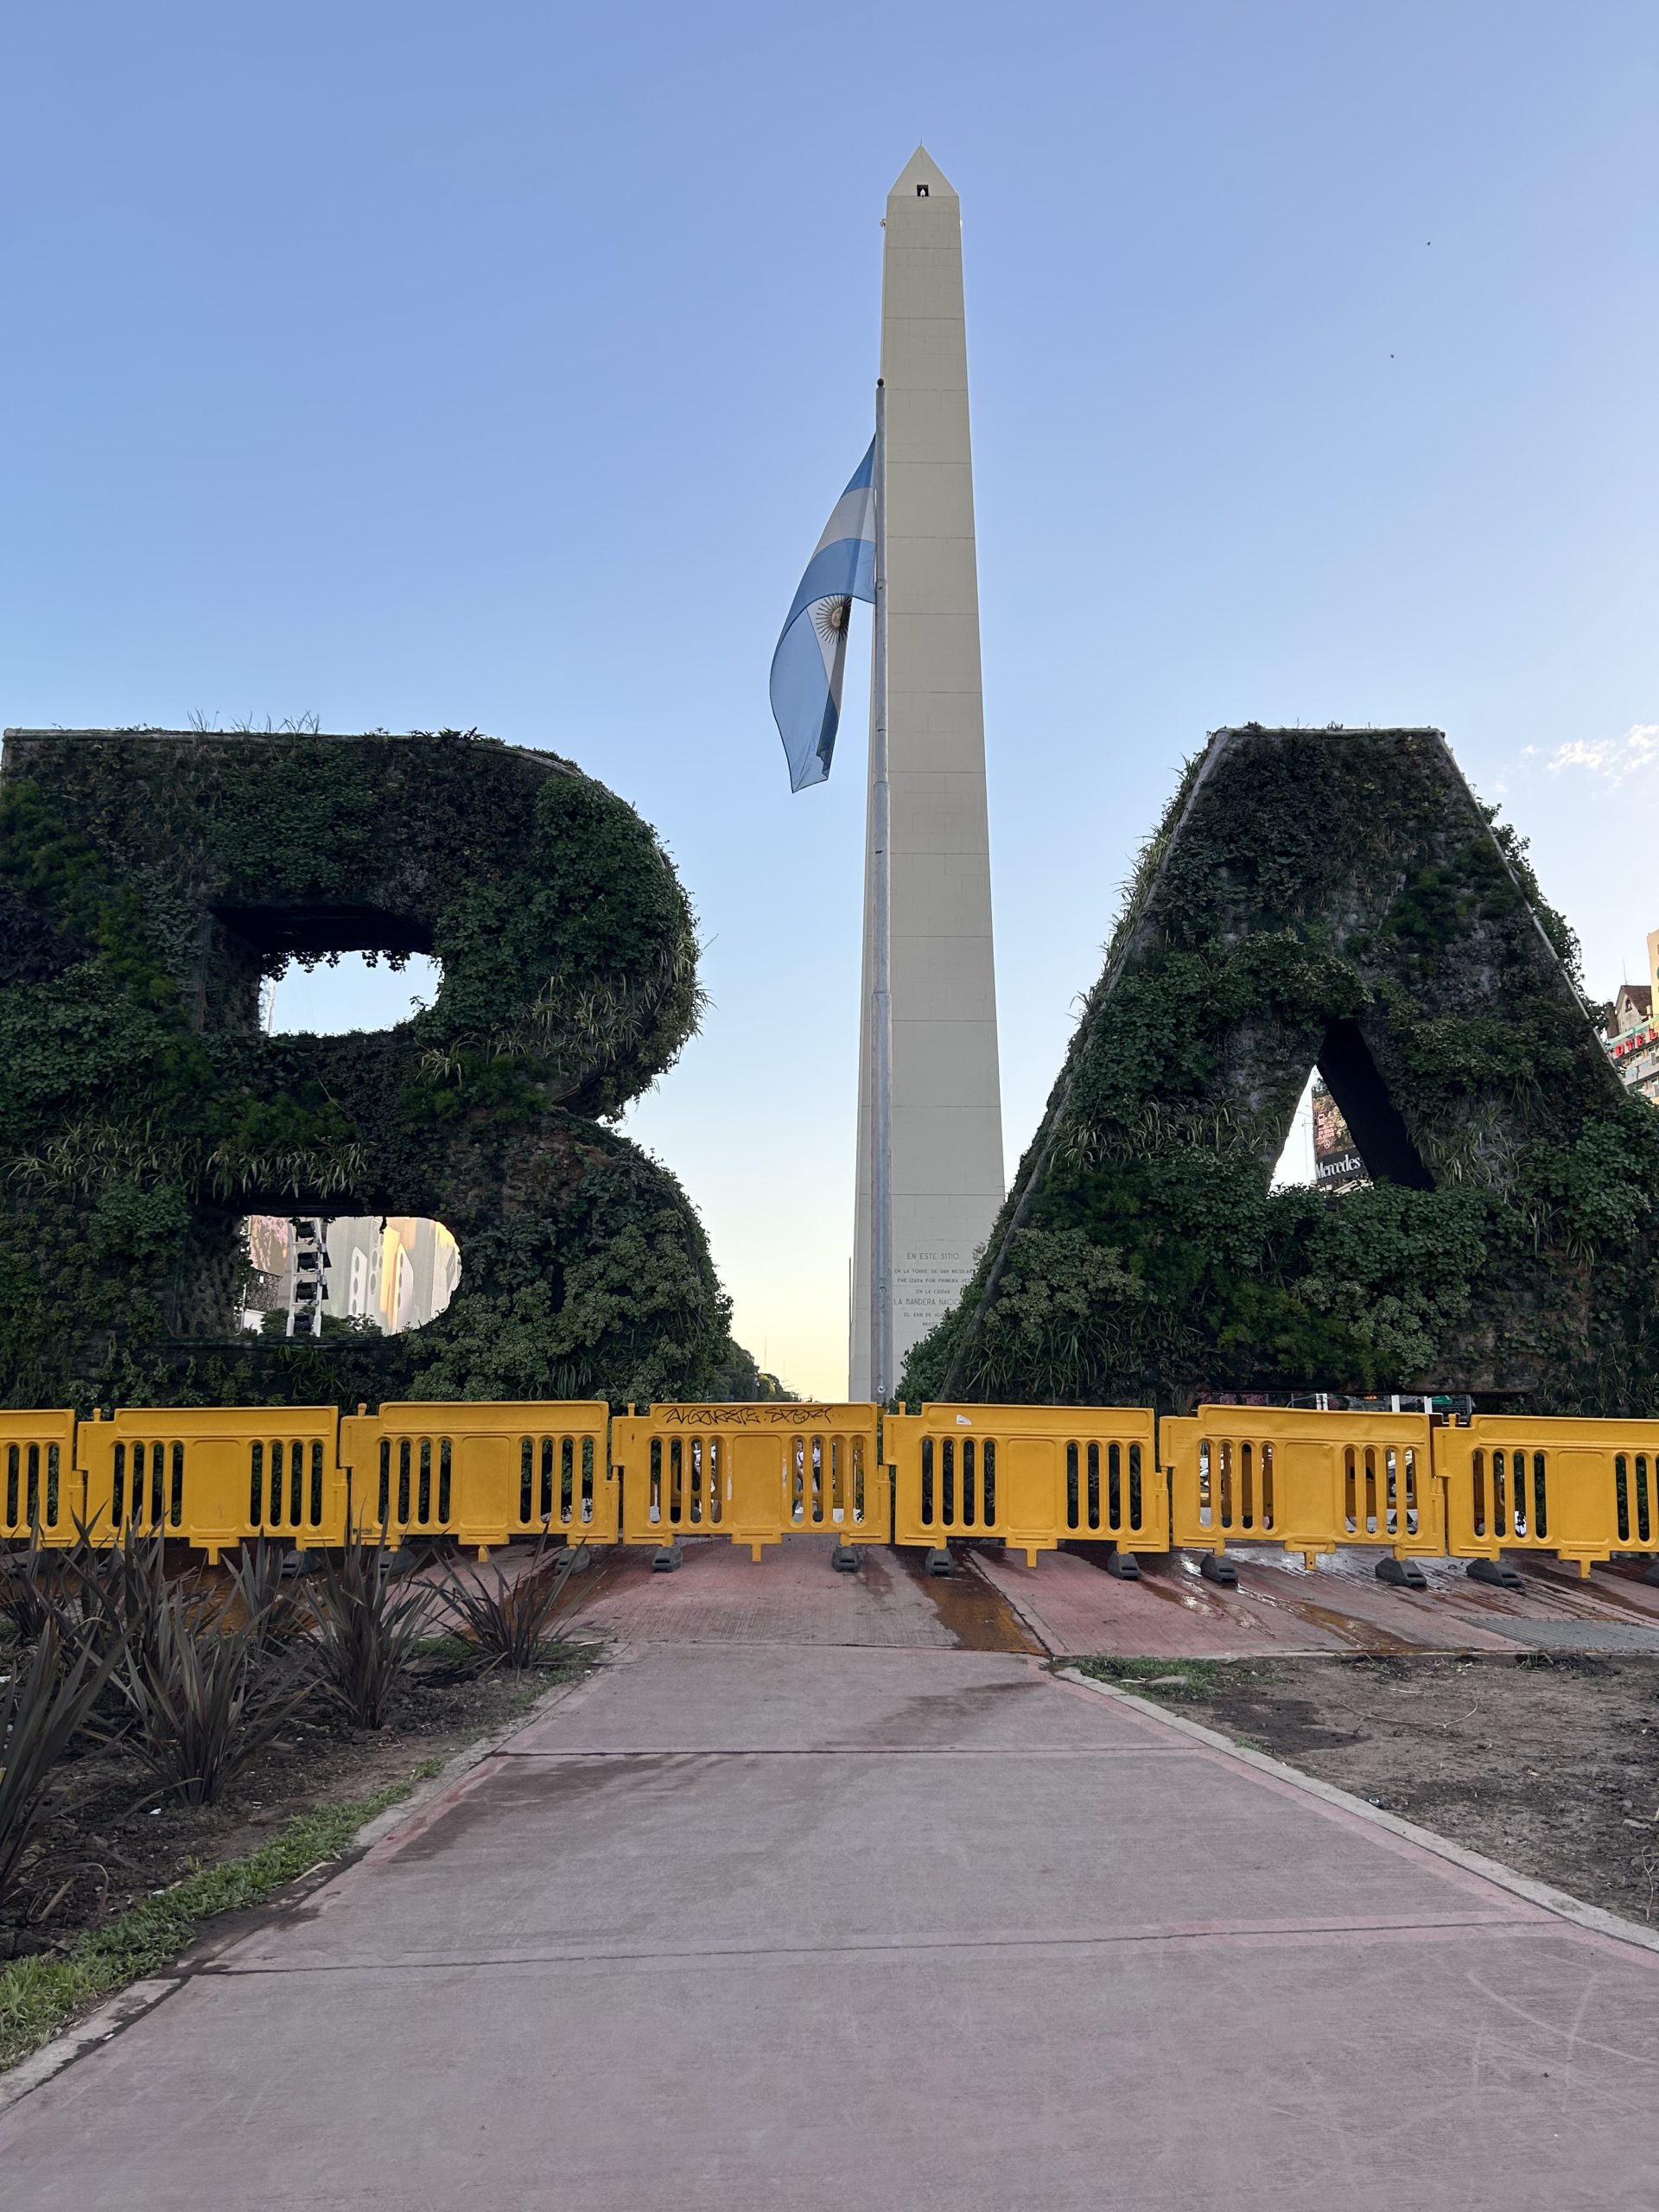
(923, 177)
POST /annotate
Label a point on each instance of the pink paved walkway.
(1068, 1604)
(874, 1930)
(1279, 1607)
(790, 1595)
(1075, 1607)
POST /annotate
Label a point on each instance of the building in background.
(269, 1244)
(1337, 1162)
(1633, 1046)
(1634, 1052)
(398, 1270)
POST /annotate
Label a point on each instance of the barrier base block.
(1401, 1573)
(666, 1558)
(1652, 1575)
(581, 1557)
(844, 1558)
(1124, 1566)
(1214, 1567)
(1496, 1571)
(938, 1560)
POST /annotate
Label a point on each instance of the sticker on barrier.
(212, 1475)
(42, 1493)
(481, 1473)
(1309, 1481)
(752, 1473)
(1031, 1476)
(1581, 1489)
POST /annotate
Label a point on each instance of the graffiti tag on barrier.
(763, 1416)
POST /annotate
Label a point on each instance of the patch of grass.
(41, 1994)
(1157, 1677)
(552, 1663)
(1564, 1662)
(441, 1647)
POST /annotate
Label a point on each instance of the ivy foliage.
(1303, 883)
(151, 880)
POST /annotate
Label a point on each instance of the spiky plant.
(366, 1626)
(203, 1700)
(44, 1703)
(512, 1619)
(31, 1586)
(123, 1592)
(262, 1595)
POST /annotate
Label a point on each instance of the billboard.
(1337, 1162)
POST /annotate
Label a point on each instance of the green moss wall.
(149, 880)
(1307, 885)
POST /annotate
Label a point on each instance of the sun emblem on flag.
(830, 620)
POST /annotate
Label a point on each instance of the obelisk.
(946, 1112)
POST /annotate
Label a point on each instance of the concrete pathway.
(878, 1928)
(791, 1595)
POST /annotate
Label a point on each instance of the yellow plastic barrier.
(752, 1473)
(1580, 1489)
(1031, 1476)
(1035, 1477)
(213, 1475)
(41, 1487)
(481, 1473)
(1309, 1481)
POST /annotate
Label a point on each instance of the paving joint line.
(859, 1751)
(623, 1632)
(1404, 1927)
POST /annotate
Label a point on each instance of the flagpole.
(881, 1374)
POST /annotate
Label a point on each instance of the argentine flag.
(807, 667)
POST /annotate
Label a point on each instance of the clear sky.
(498, 364)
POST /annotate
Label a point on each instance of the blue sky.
(498, 364)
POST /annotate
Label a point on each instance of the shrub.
(367, 1627)
(123, 1593)
(44, 1704)
(264, 1597)
(512, 1619)
(31, 1579)
(203, 1699)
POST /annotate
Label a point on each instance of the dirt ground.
(112, 1837)
(1548, 1762)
